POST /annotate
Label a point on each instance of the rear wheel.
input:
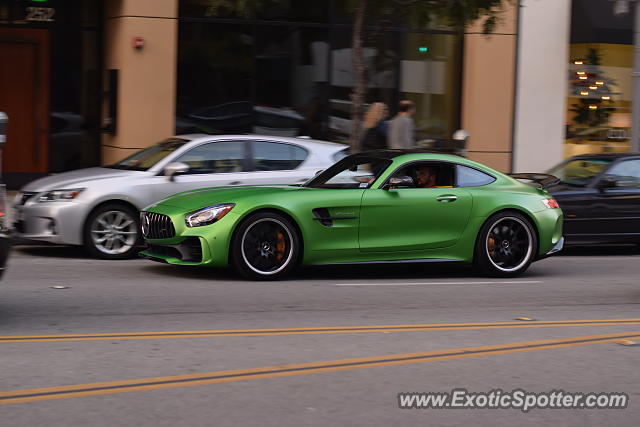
(265, 247)
(506, 245)
(111, 232)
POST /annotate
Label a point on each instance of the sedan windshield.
(146, 158)
(355, 171)
(579, 172)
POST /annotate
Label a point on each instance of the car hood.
(67, 180)
(196, 199)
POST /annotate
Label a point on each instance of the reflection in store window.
(288, 71)
(430, 77)
(599, 97)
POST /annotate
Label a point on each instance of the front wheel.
(111, 232)
(506, 245)
(265, 247)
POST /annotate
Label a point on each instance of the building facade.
(88, 82)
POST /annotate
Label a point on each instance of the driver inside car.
(426, 177)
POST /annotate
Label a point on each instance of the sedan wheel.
(265, 247)
(111, 232)
(506, 245)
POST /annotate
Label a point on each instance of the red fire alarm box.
(138, 42)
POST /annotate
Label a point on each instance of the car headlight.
(208, 215)
(57, 195)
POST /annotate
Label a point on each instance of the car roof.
(610, 156)
(393, 153)
(303, 141)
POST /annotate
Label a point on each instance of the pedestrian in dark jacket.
(375, 130)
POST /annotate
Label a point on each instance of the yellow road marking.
(190, 380)
(315, 330)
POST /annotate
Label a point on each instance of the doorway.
(24, 96)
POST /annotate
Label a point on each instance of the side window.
(215, 157)
(626, 173)
(469, 177)
(272, 156)
(341, 155)
(428, 174)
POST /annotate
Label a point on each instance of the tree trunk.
(360, 70)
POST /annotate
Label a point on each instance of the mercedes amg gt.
(369, 207)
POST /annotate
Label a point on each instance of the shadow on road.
(350, 272)
(602, 250)
(409, 271)
(53, 251)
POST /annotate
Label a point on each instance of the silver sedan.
(98, 207)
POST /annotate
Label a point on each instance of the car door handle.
(235, 183)
(447, 199)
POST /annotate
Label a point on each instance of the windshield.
(144, 159)
(356, 171)
(579, 171)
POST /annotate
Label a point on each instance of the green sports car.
(370, 207)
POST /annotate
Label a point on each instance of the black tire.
(125, 240)
(506, 245)
(266, 246)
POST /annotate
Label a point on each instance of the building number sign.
(40, 14)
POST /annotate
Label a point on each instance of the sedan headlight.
(208, 215)
(57, 195)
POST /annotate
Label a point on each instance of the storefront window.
(75, 109)
(430, 77)
(381, 59)
(215, 78)
(600, 89)
(291, 81)
(289, 71)
(270, 10)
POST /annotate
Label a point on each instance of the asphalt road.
(138, 343)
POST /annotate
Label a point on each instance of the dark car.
(600, 197)
(4, 232)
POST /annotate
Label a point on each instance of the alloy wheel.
(114, 232)
(267, 246)
(509, 244)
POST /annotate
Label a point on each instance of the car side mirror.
(175, 168)
(319, 172)
(605, 183)
(400, 181)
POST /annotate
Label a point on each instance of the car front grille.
(156, 226)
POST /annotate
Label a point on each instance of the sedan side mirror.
(175, 168)
(400, 181)
(605, 183)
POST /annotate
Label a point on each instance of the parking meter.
(4, 122)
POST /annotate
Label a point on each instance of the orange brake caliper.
(280, 245)
(492, 245)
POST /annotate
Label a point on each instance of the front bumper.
(53, 222)
(189, 251)
(205, 245)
